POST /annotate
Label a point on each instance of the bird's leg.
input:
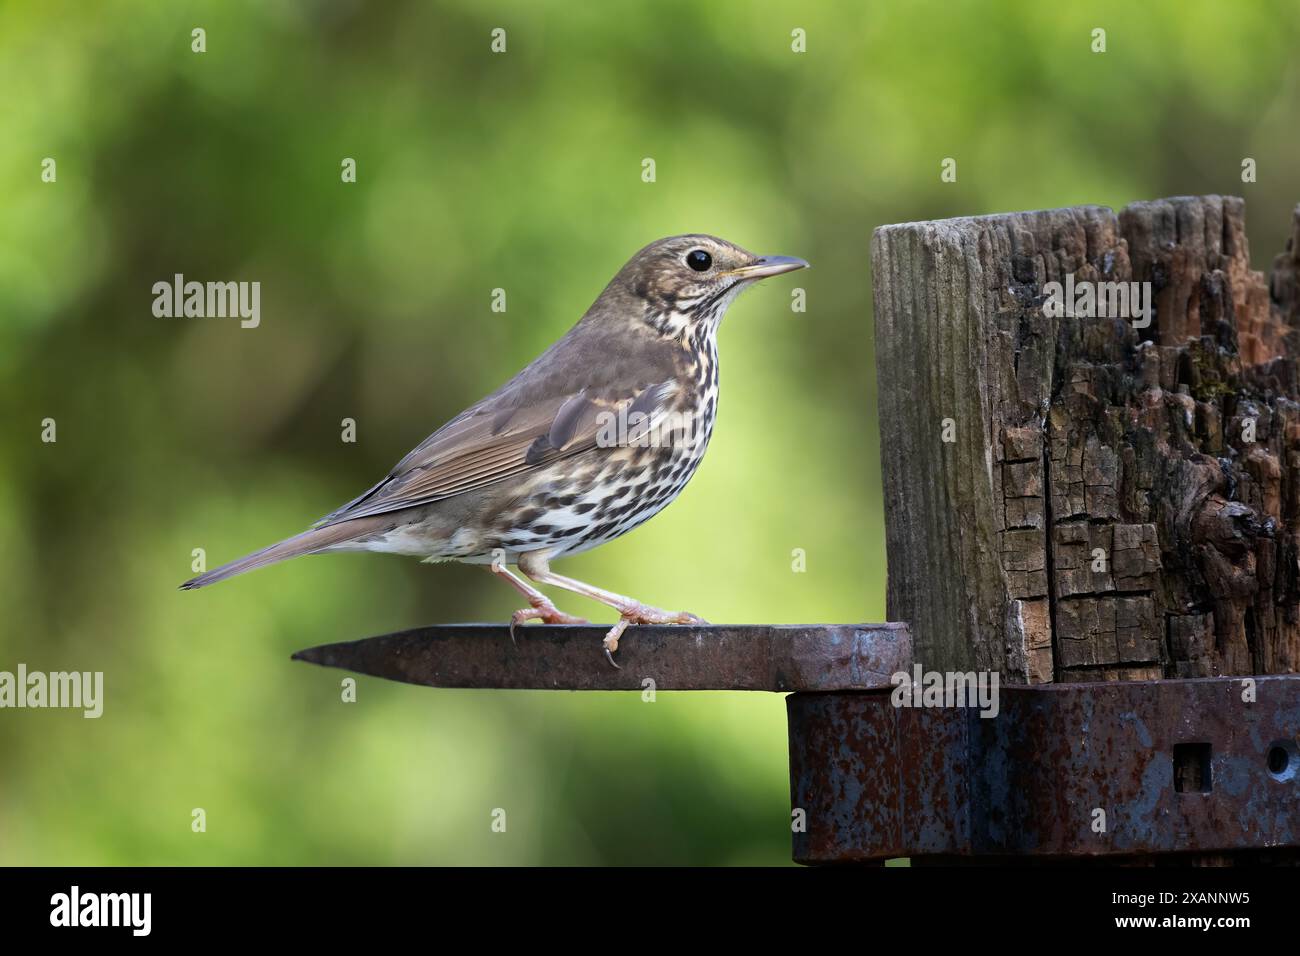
(536, 565)
(539, 605)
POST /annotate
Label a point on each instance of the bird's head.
(686, 282)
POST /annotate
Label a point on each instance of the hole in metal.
(1283, 760)
(1192, 768)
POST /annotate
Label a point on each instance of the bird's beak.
(765, 266)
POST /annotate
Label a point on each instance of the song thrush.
(597, 435)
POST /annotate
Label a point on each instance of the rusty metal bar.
(815, 657)
(1066, 770)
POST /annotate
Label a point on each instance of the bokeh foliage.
(479, 171)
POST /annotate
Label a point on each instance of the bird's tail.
(309, 542)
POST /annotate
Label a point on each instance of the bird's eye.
(699, 260)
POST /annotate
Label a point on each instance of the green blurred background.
(476, 171)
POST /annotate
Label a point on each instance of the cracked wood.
(1117, 502)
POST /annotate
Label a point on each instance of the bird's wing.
(501, 437)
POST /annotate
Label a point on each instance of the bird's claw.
(611, 639)
(547, 613)
(643, 614)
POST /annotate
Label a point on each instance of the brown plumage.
(595, 436)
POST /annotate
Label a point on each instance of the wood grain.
(1076, 437)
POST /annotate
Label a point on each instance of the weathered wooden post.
(1112, 500)
(1086, 498)
(1079, 488)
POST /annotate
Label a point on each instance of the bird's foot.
(543, 611)
(643, 614)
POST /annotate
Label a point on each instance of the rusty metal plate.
(815, 657)
(1069, 770)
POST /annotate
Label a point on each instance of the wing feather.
(492, 441)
